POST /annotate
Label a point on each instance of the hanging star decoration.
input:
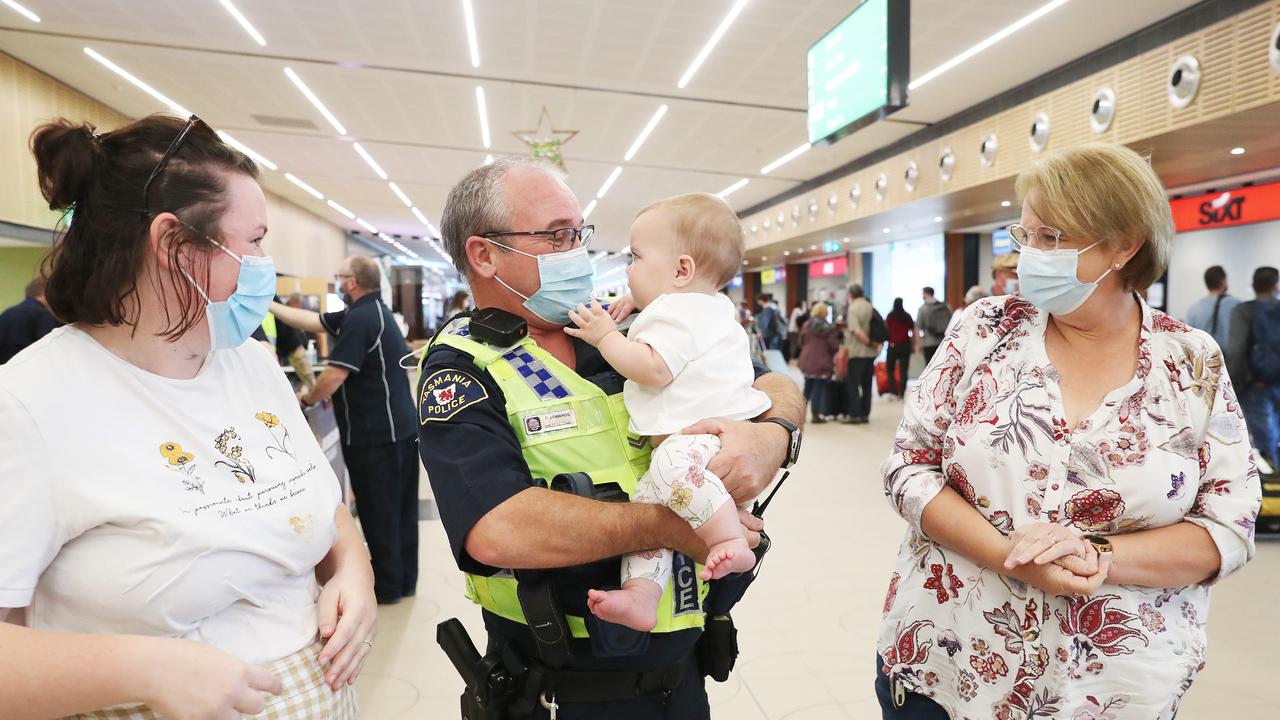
(546, 145)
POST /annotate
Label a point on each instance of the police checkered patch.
(536, 375)
(447, 392)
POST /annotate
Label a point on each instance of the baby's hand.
(622, 307)
(593, 323)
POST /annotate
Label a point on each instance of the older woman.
(1061, 443)
(166, 509)
(819, 341)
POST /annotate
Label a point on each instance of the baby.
(685, 358)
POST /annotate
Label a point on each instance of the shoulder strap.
(1213, 324)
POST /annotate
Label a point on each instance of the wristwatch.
(1099, 543)
(793, 446)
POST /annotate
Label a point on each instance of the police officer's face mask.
(565, 280)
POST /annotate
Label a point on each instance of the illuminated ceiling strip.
(310, 190)
(365, 224)
(483, 110)
(711, 44)
(785, 159)
(733, 188)
(400, 194)
(22, 11)
(470, 16)
(644, 134)
(341, 210)
(369, 159)
(590, 207)
(306, 91)
(258, 158)
(613, 176)
(180, 110)
(244, 22)
(1002, 34)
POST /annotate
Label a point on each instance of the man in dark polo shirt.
(26, 322)
(376, 420)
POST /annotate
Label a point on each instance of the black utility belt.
(594, 686)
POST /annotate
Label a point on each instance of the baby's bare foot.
(631, 606)
(734, 556)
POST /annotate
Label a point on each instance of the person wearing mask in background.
(818, 342)
(1212, 313)
(931, 320)
(1004, 274)
(376, 420)
(167, 512)
(862, 352)
(25, 323)
(902, 330)
(976, 293)
(1253, 362)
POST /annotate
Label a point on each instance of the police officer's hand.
(594, 323)
(750, 454)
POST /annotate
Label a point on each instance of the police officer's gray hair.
(365, 271)
(478, 204)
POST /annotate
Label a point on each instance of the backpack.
(938, 320)
(878, 332)
(1264, 350)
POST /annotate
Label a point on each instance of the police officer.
(376, 421)
(500, 415)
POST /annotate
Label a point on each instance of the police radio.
(497, 327)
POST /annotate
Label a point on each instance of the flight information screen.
(858, 70)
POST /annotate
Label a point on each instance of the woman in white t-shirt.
(160, 484)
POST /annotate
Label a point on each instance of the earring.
(1118, 266)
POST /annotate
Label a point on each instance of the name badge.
(550, 421)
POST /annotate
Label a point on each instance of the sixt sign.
(1257, 203)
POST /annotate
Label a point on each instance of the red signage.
(829, 268)
(1233, 207)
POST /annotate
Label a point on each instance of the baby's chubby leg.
(635, 605)
(729, 551)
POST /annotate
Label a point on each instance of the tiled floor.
(835, 539)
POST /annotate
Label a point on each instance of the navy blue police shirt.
(22, 325)
(373, 405)
(474, 464)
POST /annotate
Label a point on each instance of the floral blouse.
(987, 419)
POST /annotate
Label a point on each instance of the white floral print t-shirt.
(987, 419)
(138, 504)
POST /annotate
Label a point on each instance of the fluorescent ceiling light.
(421, 218)
(244, 22)
(1002, 34)
(587, 212)
(369, 159)
(247, 151)
(488, 159)
(886, 231)
(310, 190)
(785, 159)
(22, 11)
(469, 13)
(345, 212)
(644, 134)
(937, 218)
(711, 44)
(609, 182)
(315, 101)
(400, 194)
(365, 224)
(733, 188)
(484, 116)
(138, 83)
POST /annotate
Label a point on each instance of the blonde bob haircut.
(819, 310)
(705, 228)
(1109, 193)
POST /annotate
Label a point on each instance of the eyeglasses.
(1041, 238)
(560, 239)
(164, 159)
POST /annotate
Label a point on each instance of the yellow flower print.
(182, 461)
(281, 441)
(267, 419)
(680, 498)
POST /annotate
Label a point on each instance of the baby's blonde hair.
(707, 229)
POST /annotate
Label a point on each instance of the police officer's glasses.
(1041, 238)
(559, 239)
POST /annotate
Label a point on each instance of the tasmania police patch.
(446, 392)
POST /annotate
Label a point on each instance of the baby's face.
(655, 258)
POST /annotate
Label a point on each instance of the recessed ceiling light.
(937, 218)
(22, 11)
(310, 190)
(786, 252)
(341, 210)
(785, 159)
(365, 224)
(608, 183)
(400, 194)
(586, 213)
(711, 43)
(1237, 151)
(488, 159)
(469, 15)
(746, 262)
(992, 40)
(733, 188)
(644, 134)
(885, 231)
(763, 258)
(1005, 203)
(813, 247)
(484, 116)
(244, 22)
(306, 91)
(369, 159)
(845, 240)
(175, 107)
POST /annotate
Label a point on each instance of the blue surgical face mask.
(566, 280)
(1047, 279)
(233, 320)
